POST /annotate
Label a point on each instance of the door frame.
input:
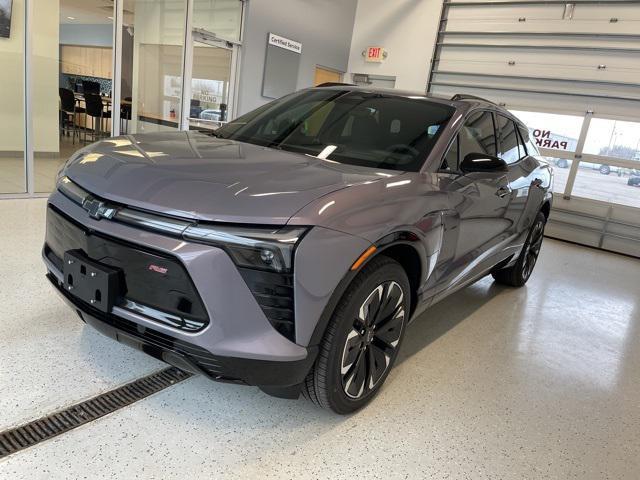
(206, 37)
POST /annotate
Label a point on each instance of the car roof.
(460, 101)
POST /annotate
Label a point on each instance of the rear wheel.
(362, 339)
(518, 274)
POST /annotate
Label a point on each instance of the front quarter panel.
(393, 210)
(322, 260)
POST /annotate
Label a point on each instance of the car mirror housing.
(482, 162)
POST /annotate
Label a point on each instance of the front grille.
(151, 279)
(274, 293)
(154, 341)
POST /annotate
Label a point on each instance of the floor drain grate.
(52, 425)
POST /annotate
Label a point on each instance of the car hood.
(194, 175)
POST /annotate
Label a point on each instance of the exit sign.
(374, 54)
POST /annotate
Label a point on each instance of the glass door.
(212, 79)
(153, 38)
(72, 79)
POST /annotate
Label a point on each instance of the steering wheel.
(402, 148)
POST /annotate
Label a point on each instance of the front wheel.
(518, 274)
(362, 340)
(605, 169)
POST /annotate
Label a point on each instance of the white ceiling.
(92, 11)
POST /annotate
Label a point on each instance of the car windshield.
(362, 128)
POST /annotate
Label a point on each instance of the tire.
(518, 274)
(562, 163)
(605, 169)
(347, 374)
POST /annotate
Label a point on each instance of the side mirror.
(481, 162)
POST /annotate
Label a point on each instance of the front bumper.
(237, 343)
(190, 357)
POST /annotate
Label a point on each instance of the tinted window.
(528, 141)
(358, 128)
(450, 162)
(477, 135)
(509, 150)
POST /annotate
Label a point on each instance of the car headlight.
(265, 248)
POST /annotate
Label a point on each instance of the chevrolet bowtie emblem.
(98, 209)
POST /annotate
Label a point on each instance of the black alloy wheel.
(373, 339)
(532, 247)
(517, 274)
(363, 338)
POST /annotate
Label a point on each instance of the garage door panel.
(621, 245)
(550, 102)
(506, 13)
(544, 58)
(621, 13)
(603, 26)
(542, 39)
(531, 13)
(577, 72)
(630, 91)
(517, 100)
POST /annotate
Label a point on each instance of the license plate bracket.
(90, 281)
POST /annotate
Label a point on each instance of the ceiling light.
(71, 18)
(110, 18)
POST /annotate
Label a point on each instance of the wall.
(406, 29)
(324, 27)
(84, 34)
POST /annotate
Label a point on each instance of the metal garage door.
(571, 71)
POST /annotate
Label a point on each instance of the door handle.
(503, 192)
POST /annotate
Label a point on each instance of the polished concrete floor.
(540, 382)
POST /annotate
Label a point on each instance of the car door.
(476, 223)
(526, 196)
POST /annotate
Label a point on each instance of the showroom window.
(613, 138)
(553, 131)
(85, 84)
(610, 168)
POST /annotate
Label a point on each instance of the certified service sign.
(278, 41)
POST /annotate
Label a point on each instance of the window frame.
(521, 144)
(451, 171)
(456, 135)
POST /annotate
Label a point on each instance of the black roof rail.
(464, 96)
(336, 84)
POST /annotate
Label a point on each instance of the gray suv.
(291, 248)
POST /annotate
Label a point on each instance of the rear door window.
(529, 142)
